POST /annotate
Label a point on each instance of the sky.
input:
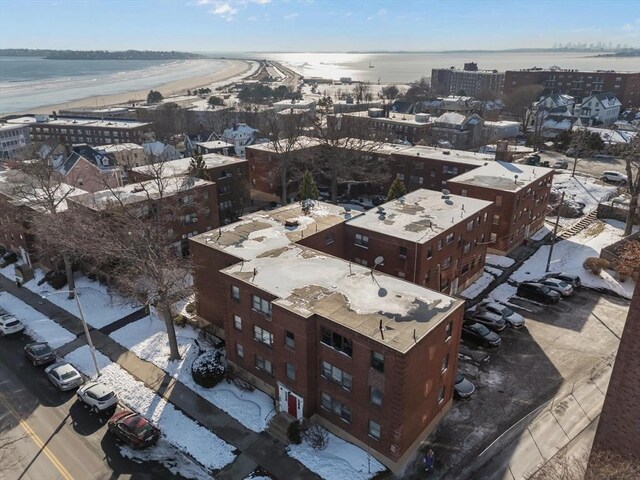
(315, 25)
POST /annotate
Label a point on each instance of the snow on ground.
(477, 287)
(502, 293)
(540, 234)
(586, 190)
(180, 431)
(493, 271)
(36, 324)
(353, 206)
(340, 460)
(175, 461)
(498, 260)
(148, 339)
(99, 305)
(8, 271)
(569, 255)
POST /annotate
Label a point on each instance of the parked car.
(133, 429)
(9, 324)
(614, 177)
(559, 286)
(489, 319)
(64, 375)
(561, 164)
(573, 280)
(97, 396)
(513, 319)
(7, 259)
(538, 292)
(40, 353)
(480, 334)
(463, 388)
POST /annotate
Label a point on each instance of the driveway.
(560, 345)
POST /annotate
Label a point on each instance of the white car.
(615, 177)
(97, 396)
(512, 318)
(64, 375)
(558, 285)
(9, 324)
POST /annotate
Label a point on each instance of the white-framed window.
(262, 335)
(374, 430)
(261, 305)
(333, 373)
(235, 294)
(263, 364)
(441, 394)
(362, 240)
(239, 350)
(329, 238)
(448, 331)
(335, 406)
(237, 322)
(289, 339)
(445, 363)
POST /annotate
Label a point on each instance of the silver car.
(64, 375)
(9, 324)
(512, 318)
(97, 396)
(563, 288)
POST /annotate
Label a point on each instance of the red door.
(292, 405)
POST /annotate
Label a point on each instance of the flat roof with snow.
(383, 308)
(214, 144)
(24, 191)
(260, 232)
(502, 176)
(79, 121)
(300, 144)
(420, 215)
(181, 166)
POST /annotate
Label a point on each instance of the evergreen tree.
(396, 190)
(154, 97)
(308, 187)
(198, 167)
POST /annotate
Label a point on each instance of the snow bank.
(498, 260)
(477, 287)
(586, 190)
(177, 429)
(148, 339)
(36, 324)
(493, 271)
(100, 307)
(540, 234)
(340, 460)
(175, 461)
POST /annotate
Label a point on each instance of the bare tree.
(584, 143)
(631, 155)
(519, 101)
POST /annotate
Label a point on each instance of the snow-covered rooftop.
(261, 232)
(502, 176)
(420, 215)
(455, 118)
(119, 147)
(448, 155)
(300, 144)
(180, 166)
(309, 282)
(79, 121)
(395, 117)
(214, 144)
(22, 191)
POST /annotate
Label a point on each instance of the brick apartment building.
(328, 339)
(520, 194)
(389, 127)
(230, 174)
(93, 131)
(579, 84)
(471, 81)
(619, 426)
(435, 240)
(189, 205)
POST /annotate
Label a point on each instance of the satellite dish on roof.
(378, 260)
(347, 209)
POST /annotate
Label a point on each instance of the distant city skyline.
(316, 25)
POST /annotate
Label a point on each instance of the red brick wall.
(433, 172)
(14, 227)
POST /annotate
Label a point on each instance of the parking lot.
(560, 344)
(593, 166)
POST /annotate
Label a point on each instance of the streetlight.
(84, 325)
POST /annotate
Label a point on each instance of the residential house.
(463, 132)
(599, 109)
(89, 169)
(127, 155)
(240, 136)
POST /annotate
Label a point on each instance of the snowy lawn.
(177, 429)
(100, 306)
(540, 234)
(476, 288)
(38, 326)
(586, 190)
(498, 260)
(568, 256)
(339, 461)
(148, 339)
(493, 271)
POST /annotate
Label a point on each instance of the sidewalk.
(529, 444)
(257, 449)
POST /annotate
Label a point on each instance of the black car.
(538, 292)
(573, 280)
(489, 319)
(480, 334)
(463, 388)
(40, 353)
(8, 258)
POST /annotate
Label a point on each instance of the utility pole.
(555, 230)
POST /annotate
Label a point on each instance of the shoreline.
(237, 70)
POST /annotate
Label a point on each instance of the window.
(463, 192)
(465, 269)
(484, 217)
(336, 375)
(469, 226)
(400, 176)
(466, 248)
(447, 262)
(239, 350)
(441, 394)
(377, 361)
(402, 253)
(447, 331)
(440, 244)
(445, 363)
(496, 219)
(450, 238)
(262, 335)
(329, 403)
(375, 395)
(414, 179)
(289, 339)
(237, 322)
(337, 341)
(360, 261)
(263, 364)
(374, 430)
(329, 238)
(262, 305)
(362, 240)
(290, 371)
(427, 276)
(235, 294)
(494, 238)
(429, 252)
(450, 170)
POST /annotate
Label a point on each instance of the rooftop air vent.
(446, 152)
(381, 210)
(291, 223)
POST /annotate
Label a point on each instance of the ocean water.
(27, 82)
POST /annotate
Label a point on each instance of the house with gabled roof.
(600, 109)
(90, 169)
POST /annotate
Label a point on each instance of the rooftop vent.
(381, 210)
(446, 152)
(291, 223)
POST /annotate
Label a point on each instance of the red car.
(133, 429)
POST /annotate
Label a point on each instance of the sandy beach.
(236, 70)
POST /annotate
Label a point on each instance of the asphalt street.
(55, 437)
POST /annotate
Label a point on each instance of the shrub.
(57, 279)
(190, 308)
(294, 433)
(179, 320)
(596, 264)
(208, 370)
(317, 437)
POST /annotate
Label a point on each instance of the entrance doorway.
(289, 402)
